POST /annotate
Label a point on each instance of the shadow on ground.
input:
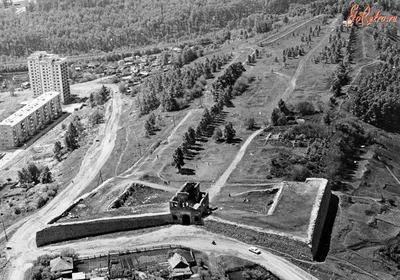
(325, 242)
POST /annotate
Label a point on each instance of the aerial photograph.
(200, 139)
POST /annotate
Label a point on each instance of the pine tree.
(45, 175)
(275, 116)
(148, 129)
(57, 150)
(192, 134)
(178, 159)
(34, 171)
(71, 137)
(229, 132)
(283, 108)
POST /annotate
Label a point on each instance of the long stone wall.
(318, 214)
(75, 230)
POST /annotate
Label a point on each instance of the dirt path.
(215, 189)
(269, 40)
(302, 63)
(193, 237)
(391, 173)
(23, 241)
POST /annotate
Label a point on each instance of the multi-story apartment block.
(49, 72)
(24, 123)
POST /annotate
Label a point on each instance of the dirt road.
(193, 237)
(216, 188)
(23, 241)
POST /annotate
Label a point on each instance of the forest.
(75, 27)
(377, 100)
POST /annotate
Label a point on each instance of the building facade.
(189, 204)
(49, 72)
(24, 123)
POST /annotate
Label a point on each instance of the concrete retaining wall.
(75, 230)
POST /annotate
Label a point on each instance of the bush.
(217, 134)
(240, 85)
(41, 201)
(249, 123)
(305, 108)
(309, 130)
(300, 173)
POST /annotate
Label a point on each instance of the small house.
(62, 265)
(180, 268)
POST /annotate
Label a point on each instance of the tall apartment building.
(24, 123)
(49, 72)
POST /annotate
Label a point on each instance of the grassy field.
(291, 215)
(10, 104)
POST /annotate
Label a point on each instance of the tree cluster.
(150, 125)
(41, 269)
(222, 87)
(279, 115)
(292, 52)
(67, 27)
(72, 137)
(332, 53)
(100, 97)
(340, 79)
(377, 99)
(174, 88)
(34, 175)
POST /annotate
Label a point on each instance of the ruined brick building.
(189, 204)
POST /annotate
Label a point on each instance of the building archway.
(185, 220)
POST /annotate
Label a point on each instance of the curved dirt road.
(23, 241)
(190, 236)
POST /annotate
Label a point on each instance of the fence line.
(133, 251)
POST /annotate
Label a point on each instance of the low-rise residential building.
(62, 265)
(24, 123)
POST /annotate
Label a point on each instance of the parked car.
(254, 250)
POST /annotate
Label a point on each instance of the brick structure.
(189, 204)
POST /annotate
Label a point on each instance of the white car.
(254, 250)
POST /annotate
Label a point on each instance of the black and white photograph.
(199, 140)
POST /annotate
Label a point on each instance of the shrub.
(309, 130)
(41, 201)
(240, 85)
(249, 123)
(17, 211)
(300, 173)
(217, 134)
(305, 108)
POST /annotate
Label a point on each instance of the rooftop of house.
(177, 261)
(29, 108)
(61, 264)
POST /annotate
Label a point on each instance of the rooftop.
(61, 264)
(44, 56)
(29, 108)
